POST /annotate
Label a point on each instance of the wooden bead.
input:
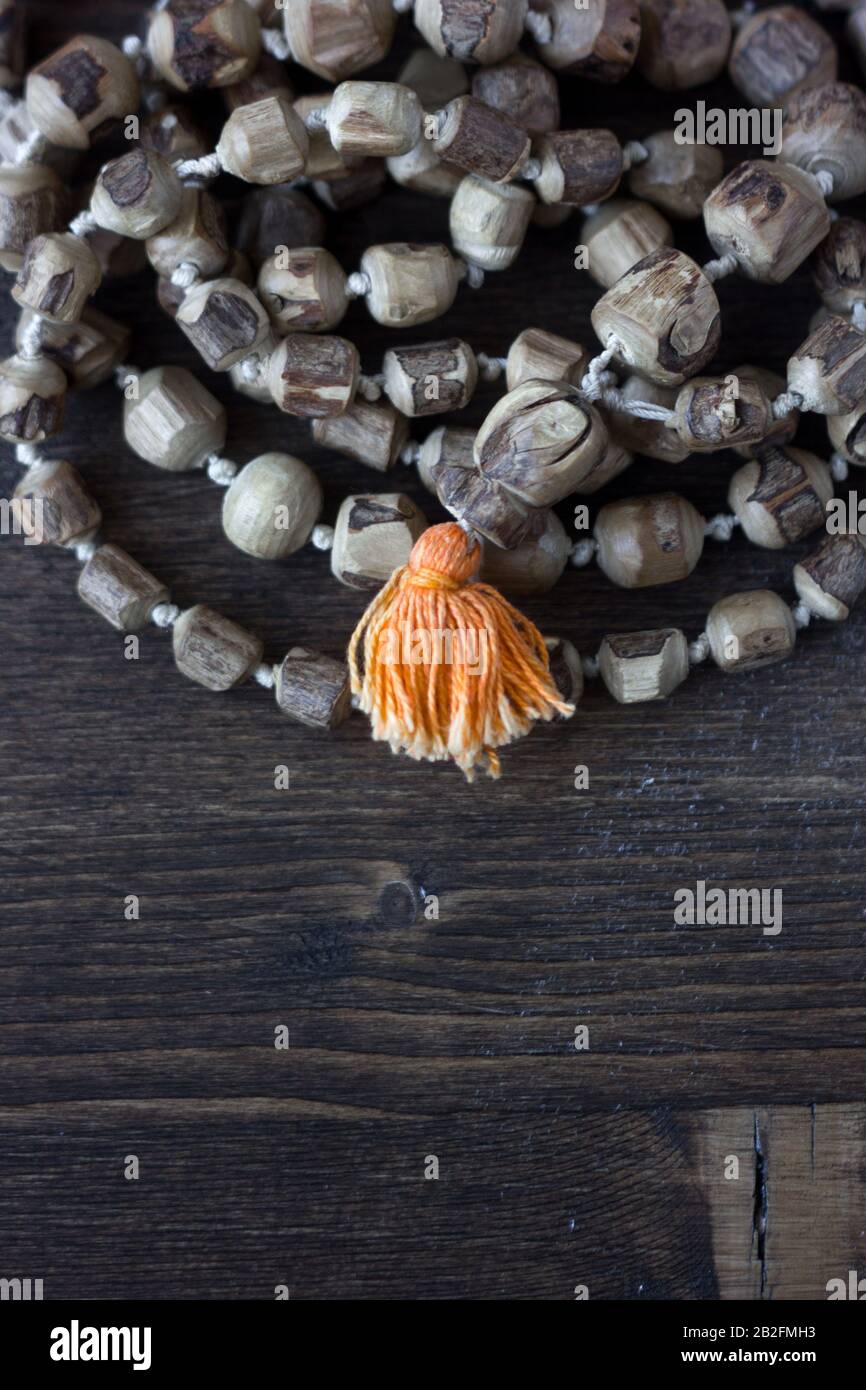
(640, 666)
(614, 460)
(374, 534)
(649, 540)
(269, 79)
(829, 368)
(769, 216)
(780, 496)
(489, 221)
(212, 650)
(323, 161)
(424, 172)
(224, 320)
(314, 376)
(264, 142)
(578, 166)
(433, 79)
(335, 38)
(825, 130)
(653, 438)
(619, 235)
(120, 589)
(277, 216)
(11, 43)
(848, 435)
(372, 433)
(445, 447)
(665, 314)
(469, 31)
(173, 421)
(313, 689)
(195, 44)
(303, 290)
(17, 133)
(719, 413)
(839, 265)
(832, 579)
(481, 139)
(597, 40)
(66, 515)
(137, 195)
(173, 133)
(32, 399)
(58, 275)
(565, 669)
(533, 566)
(32, 201)
(374, 118)
(536, 355)
(409, 284)
(197, 235)
(522, 88)
(539, 441)
(118, 256)
(272, 506)
(430, 378)
(676, 178)
(80, 91)
(781, 430)
(364, 182)
(250, 376)
(749, 630)
(88, 351)
(683, 43)
(482, 504)
(780, 52)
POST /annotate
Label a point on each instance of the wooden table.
(303, 909)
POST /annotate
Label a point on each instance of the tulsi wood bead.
(524, 89)
(32, 201)
(335, 38)
(780, 430)
(676, 178)
(665, 313)
(536, 355)
(539, 441)
(482, 504)
(195, 44)
(88, 351)
(173, 421)
(32, 399)
(488, 221)
(303, 290)
(831, 580)
(619, 235)
(313, 689)
(323, 161)
(848, 435)
(373, 536)
(374, 118)
(714, 413)
(829, 368)
(481, 139)
(118, 256)
(11, 43)
(80, 91)
(779, 52)
(469, 31)
(225, 320)
(445, 447)
(839, 265)
(273, 217)
(749, 630)
(362, 184)
(639, 666)
(598, 40)
(430, 378)
(197, 235)
(578, 166)
(68, 513)
(272, 506)
(171, 132)
(58, 275)
(264, 142)
(409, 284)
(650, 437)
(825, 130)
(137, 195)
(212, 650)
(649, 540)
(424, 172)
(269, 79)
(17, 132)
(433, 79)
(372, 433)
(120, 589)
(780, 496)
(683, 43)
(565, 668)
(314, 376)
(533, 566)
(769, 216)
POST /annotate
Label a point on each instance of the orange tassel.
(444, 666)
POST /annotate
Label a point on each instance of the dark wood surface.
(410, 1037)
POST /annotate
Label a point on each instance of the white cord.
(322, 537)
(28, 455)
(633, 152)
(165, 614)
(589, 665)
(316, 118)
(784, 404)
(135, 51)
(472, 274)
(32, 148)
(370, 387)
(491, 368)
(358, 285)
(825, 181)
(858, 315)
(801, 614)
(85, 550)
(185, 275)
(264, 673)
(220, 471)
(402, 6)
(276, 44)
(540, 26)
(721, 527)
(592, 384)
(699, 650)
(722, 266)
(838, 467)
(82, 224)
(531, 170)
(31, 337)
(583, 552)
(207, 166)
(410, 453)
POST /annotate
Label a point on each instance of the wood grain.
(304, 907)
